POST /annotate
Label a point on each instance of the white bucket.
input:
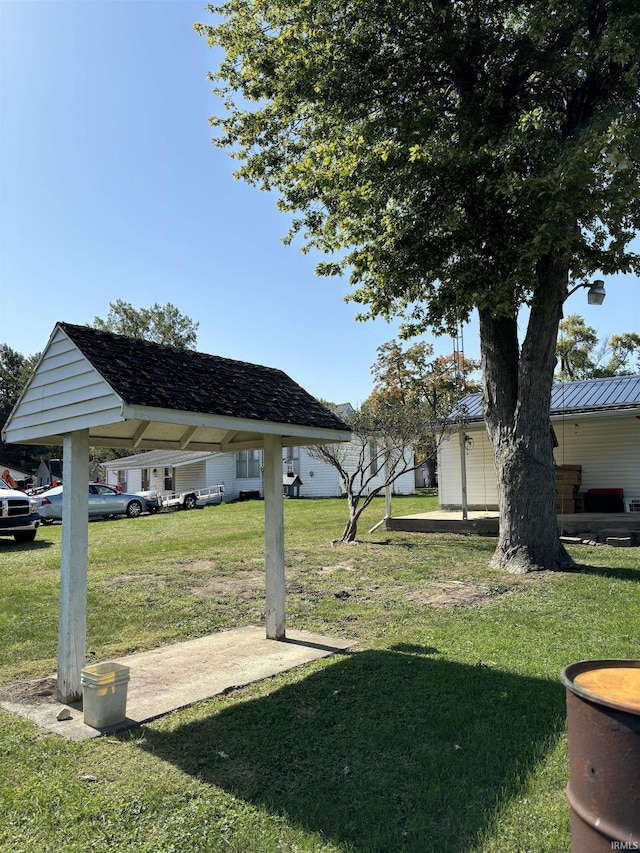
(104, 694)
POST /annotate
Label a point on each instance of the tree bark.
(351, 528)
(517, 403)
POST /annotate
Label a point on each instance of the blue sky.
(111, 189)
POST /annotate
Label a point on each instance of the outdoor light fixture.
(596, 293)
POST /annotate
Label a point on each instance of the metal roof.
(156, 459)
(613, 393)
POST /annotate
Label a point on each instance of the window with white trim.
(248, 464)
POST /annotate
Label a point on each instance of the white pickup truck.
(18, 514)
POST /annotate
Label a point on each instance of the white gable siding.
(65, 393)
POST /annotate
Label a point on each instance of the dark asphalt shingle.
(148, 374)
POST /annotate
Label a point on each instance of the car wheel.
(134, 509)
(46, 520)
(190, 502)
(25, 536)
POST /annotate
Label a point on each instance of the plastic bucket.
(104, 694)
(603, 725)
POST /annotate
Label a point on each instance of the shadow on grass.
(8, 545)
(381, 751)
(621, 573)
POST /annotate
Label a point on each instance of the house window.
(168, 479)
(146, 483)
(122, 480)
(248, 464)
(291, 460)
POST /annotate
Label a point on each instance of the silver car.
(103, 501)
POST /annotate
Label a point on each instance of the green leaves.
(162, 324)
(582, 354)
(444, 149)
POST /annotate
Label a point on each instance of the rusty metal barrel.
(603, 725)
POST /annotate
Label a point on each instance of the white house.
(597, 426)
(239, 472)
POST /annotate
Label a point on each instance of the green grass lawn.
(444, 729)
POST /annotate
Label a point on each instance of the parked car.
(103, 501)
(152, 499)
(18, 514)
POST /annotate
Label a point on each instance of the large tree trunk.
(517, 402)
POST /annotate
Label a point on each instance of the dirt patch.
(198, 565)
(244, 585)
(455, 594)
(31, 692)
(125, 580)
(345, 566)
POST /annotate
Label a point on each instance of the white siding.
(481, 479)
(133, 482)
(319, 479)
(607, 448)
(64, 394)
(188, 478)
(326, 481)
(221, 468)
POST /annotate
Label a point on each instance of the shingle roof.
(148, 374)
(614, 393)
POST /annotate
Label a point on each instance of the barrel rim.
(573, 669)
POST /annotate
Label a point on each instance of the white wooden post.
(274, 537)
(463, 473)
(72, 627)
(389, 487)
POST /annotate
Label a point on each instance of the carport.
(94, 388)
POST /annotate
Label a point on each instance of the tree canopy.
(412, 374)
(448, 146)
(583, 354)
(15, 370)
(162, 324)
(451, 155)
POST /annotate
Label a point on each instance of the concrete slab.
(172, 677)
(594, 525)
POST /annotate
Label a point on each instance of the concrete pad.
(172, 677)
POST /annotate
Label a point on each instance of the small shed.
(94, 388)
(291, 485)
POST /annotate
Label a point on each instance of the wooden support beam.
(139, 433)
(274, 537)
(186, 437)
(72, 627)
